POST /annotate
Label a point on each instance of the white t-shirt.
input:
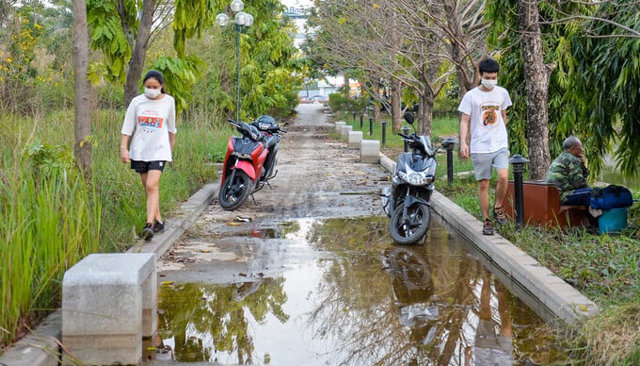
(150, 121)
(487, 128)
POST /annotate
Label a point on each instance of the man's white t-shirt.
(150, 121)
(487, 128)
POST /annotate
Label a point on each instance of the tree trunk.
(376, 97)
(82, 98)
(396, 96)
(139, 52)
(425, 112)
(537, 84)
(457, 53)
(346, 84)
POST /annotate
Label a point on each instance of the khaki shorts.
(482, 162)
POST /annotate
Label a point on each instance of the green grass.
(50, 218)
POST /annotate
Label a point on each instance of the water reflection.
(362, 301)
(200, 322)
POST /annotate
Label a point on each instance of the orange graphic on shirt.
(155, 122)
(490, 115)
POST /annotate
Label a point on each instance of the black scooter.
(406, 202)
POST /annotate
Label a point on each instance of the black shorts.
(144, 166)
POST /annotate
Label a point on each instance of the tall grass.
(49, 220)
(50, 217)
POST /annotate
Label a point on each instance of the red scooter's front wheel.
(235, 190)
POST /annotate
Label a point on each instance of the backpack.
(611, 197)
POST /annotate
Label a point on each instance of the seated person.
(569, 173)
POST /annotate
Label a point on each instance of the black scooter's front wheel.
(413, 227)
(235, 190)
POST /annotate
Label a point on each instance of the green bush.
(445, 107)
(340, 102)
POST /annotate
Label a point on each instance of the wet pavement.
(314, 278)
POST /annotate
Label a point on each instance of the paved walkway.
(316, 178)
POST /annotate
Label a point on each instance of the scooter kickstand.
(269, 185)
(254, 200)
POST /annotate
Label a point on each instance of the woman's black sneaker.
(158, 227)
(147, 231)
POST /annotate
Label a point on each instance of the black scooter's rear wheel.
(414, 227)
(235, 190)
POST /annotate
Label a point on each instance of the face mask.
(151, 93)
(489, 84)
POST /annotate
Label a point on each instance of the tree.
(408, 43)
(122, 30)
(82, 100)
(601, 76)
(585, 46)
(537, 84)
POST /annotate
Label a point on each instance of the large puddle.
(359, 300)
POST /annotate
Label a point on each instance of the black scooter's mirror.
(408, 116)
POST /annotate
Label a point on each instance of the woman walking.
(150, 124)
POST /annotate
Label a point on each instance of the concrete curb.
(41, 347)
(557, 296)
(187, 215)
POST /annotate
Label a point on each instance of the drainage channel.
(338, 292)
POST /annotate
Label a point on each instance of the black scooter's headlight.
(416, 178)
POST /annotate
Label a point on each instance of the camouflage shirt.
(568, 173)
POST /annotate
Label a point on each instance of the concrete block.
(354, 139)
(339, 125)
(344, 131)
(109, 302)
(369, 151)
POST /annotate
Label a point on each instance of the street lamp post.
(241, 19)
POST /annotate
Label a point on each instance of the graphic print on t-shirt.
(149, 120)
(489, 114)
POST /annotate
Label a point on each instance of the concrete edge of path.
(41, 347)
(187, 215)
(560, 298)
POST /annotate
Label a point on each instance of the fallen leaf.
(167, 283)
(205, 250)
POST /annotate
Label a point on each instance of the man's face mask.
(489, 83)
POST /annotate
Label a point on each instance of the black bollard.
(405, 131)
(518, 162)
(448, 145)
(384, 133)
(354, 117)
(370, 126)
(361, 117)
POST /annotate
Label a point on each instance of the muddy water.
(337, 291)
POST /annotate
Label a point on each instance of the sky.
(297, 3)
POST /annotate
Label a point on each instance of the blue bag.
(611, 197)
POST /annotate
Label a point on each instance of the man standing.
(484, 124)
(569, 174)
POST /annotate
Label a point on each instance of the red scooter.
(250, 160)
